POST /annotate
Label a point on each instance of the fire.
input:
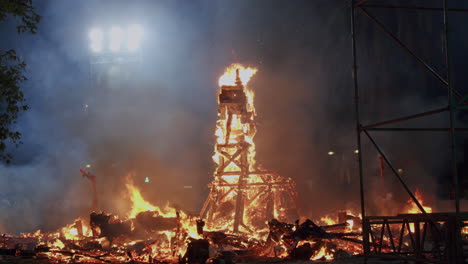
(350, 224)
(412, 208)
(237, 126)
(322, 254)
(327, 220)
(229, 76)
(77, 230)
(139, 204)
(58, 244)
(243, 195)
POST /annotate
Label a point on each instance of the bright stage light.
(96, 38)
(116, 37)
(134, 36)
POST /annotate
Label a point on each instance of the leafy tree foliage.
(12, 68)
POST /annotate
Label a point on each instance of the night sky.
(157, 118)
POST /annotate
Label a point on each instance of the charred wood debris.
(298, 241)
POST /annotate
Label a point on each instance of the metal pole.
(418, 59)
(365, 231)
(358, 3)
(396, 120)
(451, 103)
(416, 8)
(457, 251)
(416, 129)
(415, 200)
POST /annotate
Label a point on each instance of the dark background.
(158, 121)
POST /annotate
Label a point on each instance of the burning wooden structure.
(243, 196)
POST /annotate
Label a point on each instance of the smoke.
(157, 119)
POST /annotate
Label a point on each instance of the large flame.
(229, 76)
(139, 204)
(238, 128)
(245, 74)
(247, 196)
(412, 208)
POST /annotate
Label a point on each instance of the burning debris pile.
(148, 232)
(155, 235)
(151, 238)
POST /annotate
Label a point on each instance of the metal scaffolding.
(456, 101)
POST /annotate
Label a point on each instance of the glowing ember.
(327, 220)
(322, 253)
(350, 224)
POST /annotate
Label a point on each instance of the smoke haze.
(156, 119)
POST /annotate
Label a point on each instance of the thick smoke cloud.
(157, 119)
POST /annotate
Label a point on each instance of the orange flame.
(322, 254)
(237, 126)
(139, 204)
(412, 208)
(327, 220)
(229, 76)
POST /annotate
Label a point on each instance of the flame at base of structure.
(152, 234)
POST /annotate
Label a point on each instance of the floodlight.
(134, 36)
(116, 37)
(96, 37)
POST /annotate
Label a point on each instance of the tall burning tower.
(243, 197)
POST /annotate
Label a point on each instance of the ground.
(353, 260)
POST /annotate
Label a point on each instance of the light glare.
(134, 36)
(95, 35)
(116, 37)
